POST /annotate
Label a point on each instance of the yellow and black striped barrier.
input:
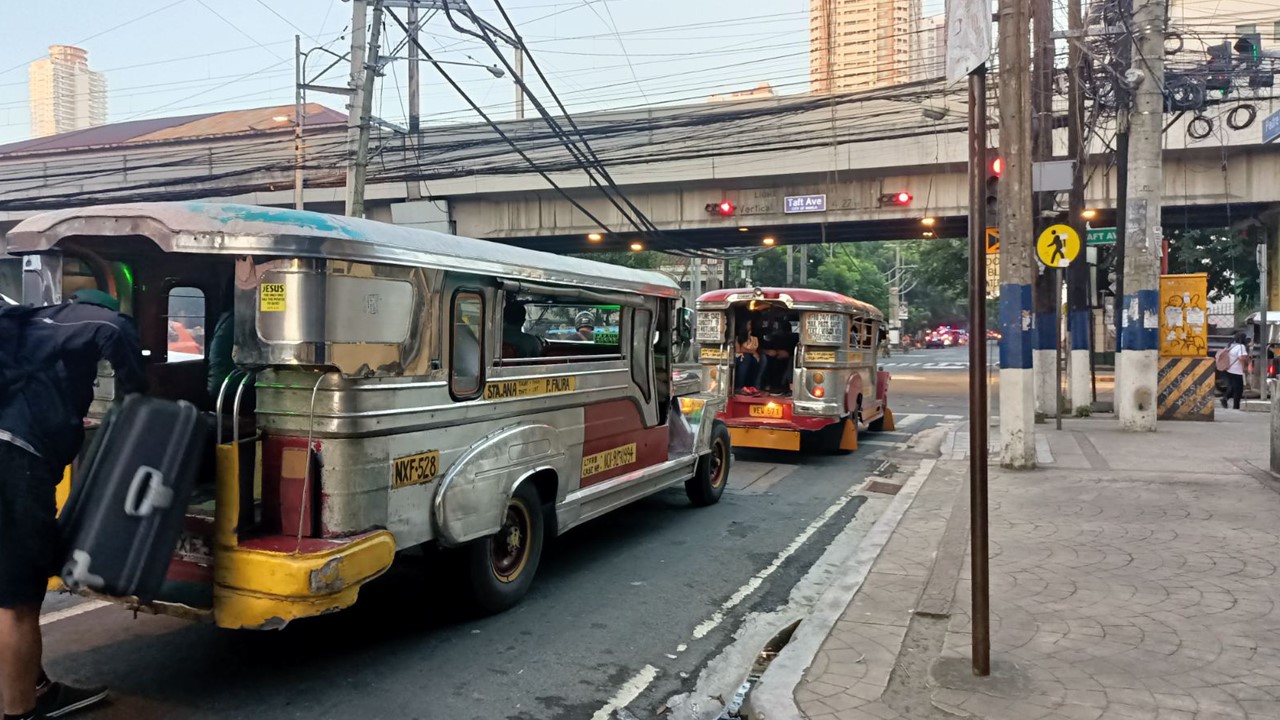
(1186, 388)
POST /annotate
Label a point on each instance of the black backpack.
(13, 370)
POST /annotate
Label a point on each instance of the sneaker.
(750, 390)
(61, 699)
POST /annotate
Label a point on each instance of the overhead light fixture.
(637, 246)
(1089, 214)
(743, 229)
(769, 241)
(929, 222)
(595, 237)
(928, 233)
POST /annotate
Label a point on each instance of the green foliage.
(642, 260)
(853, 276)
(1227, 257)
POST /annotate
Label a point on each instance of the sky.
(176, 57)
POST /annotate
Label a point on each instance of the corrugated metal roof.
(112, 134)
(185, 127)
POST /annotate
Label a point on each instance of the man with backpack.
(1233, 362)
(49, 360)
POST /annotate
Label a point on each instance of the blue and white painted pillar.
(1138, 364)
(1079, 370)
(1017, 396)
(1045, 357)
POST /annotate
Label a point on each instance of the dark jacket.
(61, 345)
(221, 362)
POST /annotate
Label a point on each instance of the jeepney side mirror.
(684, 325)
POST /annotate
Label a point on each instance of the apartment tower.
(65, 94)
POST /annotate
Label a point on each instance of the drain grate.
(884, 488)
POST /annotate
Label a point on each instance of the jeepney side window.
(466, 344)
(641, 345)
(186, 324)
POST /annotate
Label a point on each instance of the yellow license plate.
(765, 411)
(415, 469)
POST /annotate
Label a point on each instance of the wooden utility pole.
(1136, 381)
(1017, 387)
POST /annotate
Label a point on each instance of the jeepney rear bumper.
(265, 583)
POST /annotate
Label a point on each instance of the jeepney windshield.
(558, 322)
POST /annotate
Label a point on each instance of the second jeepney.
(795, 367)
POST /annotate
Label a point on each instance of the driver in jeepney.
(586, 327)
(522, 344)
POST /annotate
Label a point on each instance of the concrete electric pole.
(364, 64)
(1017, 391)
(1137, 367)
(1080, 377)
(1048, 295)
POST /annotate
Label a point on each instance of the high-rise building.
(65, 94)
(860, 44)
(929, 48)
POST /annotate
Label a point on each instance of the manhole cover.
(885, 488)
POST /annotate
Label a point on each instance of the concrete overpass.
(671, 162)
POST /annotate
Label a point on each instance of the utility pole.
(519, 83)
(791, 254)
(364, 63)
(1017, 391)
(1048, 294)
(299, 118)
(1139, 347)
(415, 97)
(1124, 57)
(695, 280)
(804, 266)
(1080, 379)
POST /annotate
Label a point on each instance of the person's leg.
(1237, 390)
(20, 651)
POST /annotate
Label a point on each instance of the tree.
(853, 276)
(1228, 259)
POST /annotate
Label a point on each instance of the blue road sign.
(1271, 127)
(806, 203)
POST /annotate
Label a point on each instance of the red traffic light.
(902, 198)
(997, 167)
(724, 208)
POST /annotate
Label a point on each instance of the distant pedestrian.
(1233, 361)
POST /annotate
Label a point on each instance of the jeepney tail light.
(819, 391)
(290, 486)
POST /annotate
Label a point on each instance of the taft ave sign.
(1101, 236)
(805, 204)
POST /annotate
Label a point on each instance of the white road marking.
(627, 694)
(82, 608)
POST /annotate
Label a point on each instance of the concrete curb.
(773, 697)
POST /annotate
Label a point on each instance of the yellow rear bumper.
(257, 589)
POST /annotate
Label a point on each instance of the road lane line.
(627, 694)
(82, 608)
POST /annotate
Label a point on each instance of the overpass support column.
(1017, 392)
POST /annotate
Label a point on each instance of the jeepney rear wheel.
(712, 474)
(500, 568)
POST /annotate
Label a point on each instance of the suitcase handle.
(157, 496)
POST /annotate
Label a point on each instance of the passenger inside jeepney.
(779, 347)
(516, 343)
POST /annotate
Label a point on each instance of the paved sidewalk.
(1132, 578)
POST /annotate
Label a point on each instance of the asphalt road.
(625, 611)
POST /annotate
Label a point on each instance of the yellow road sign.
(1058, 245)
(993, 240)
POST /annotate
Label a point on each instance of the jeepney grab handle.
(306, 472)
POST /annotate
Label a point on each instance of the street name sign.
(1271, 127)
(1101, 236)
(1058, 245)
(805, 204)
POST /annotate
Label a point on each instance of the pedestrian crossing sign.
(1058, 245)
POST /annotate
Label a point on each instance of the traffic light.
(1219, 67)
(724, 208)
(1249, 48)
(995, 168)
(901, 198)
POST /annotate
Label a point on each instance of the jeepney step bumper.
(265, 583)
